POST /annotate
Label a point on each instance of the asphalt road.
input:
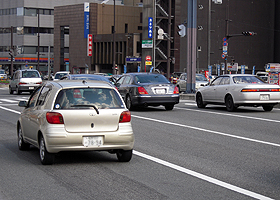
(186, 153)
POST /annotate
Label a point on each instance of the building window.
(30, 11)
(126, 28)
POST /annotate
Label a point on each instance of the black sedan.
(147, 89)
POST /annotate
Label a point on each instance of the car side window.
(217, 81)
(120, 81)
(43, 95)
(33, 98)
(224, 81)
(127, 80)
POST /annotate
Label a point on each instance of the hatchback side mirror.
(22, 104)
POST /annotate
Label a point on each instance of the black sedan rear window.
(150, 78)
(79, 98)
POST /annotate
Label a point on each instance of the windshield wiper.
(87, 105)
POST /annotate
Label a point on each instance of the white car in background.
(59, 75)
(235, 90)
(3, 75)
(200, 81)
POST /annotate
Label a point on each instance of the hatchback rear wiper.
(87, 105)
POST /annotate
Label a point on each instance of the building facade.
(19, 35)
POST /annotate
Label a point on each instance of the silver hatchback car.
(75, 116)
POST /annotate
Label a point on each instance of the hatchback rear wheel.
(267, 107)
(46, 158)
(124, 156)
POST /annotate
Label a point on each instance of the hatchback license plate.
(264, 97)
(94, 141)
(31, 88)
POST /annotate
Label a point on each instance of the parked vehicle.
(75, 116)
(234, 90)
(59, 75)
(147, 89)
(200, 81)
(26, 80)
(3, 75)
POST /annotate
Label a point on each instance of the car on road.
(200, 81)
(3, 75)
(26, 80)
(147, 89)
(234, 90)
(81, 115)
(59, 75)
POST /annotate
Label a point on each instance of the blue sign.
(139, 68)
(219, 70)
(133, 59)
(151, 70)
(242, 69)
(254, 68)
(86, 19)
(150, 27)
(124, 69)
(210, 70)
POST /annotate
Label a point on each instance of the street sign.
(148, 58)
(147, 43)
(223, 56)
(225, 48)
(225, 43)
(148, 63)
(224, 39)
(150, 27)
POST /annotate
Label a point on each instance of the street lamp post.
(114, 50)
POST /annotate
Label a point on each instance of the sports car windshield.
(247, 79)
(151, 78)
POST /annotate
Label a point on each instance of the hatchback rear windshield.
(81, 98)
(247, 79)
(151, 78)
(30, 74)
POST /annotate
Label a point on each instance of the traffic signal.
(182, 31)
(248, 33)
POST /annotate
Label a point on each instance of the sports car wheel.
(128, 103)
(199, 101)
(21, 144)
(230, 104)
(267, 107)
(46, 158)
(124, 156)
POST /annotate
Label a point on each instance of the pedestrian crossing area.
(12, 100)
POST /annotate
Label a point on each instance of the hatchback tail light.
(125, 117)
(176, 90)
(54, 118)
(142, 90)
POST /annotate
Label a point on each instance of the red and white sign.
(89, 45)
(148, 58)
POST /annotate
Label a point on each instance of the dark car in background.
(147, 89)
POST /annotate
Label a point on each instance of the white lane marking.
(227, 114)
(202, 177)
(8, 109)
(209, 131)
(8, 100)
(190, 172)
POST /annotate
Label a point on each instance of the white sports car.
(235, 90)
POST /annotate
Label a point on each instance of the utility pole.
(38, 34)
(114, 48)
(12, 51)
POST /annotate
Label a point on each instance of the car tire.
(169, 107)
(21, 144)
(46, 158)
(124, 156)
(230, 104)
(128, 102)
(18, 91)
(199, 101)
(267, 108)
(10, 90)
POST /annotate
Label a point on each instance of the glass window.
(33, 98)
(127, 80)
(30, 74)
(29, 50)
(30, 12)
(20, 30)
(225, 81)
(151, 78)
(43, 95)
(247, 79)
(88, 98)
(19, 11)
(217, 81)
